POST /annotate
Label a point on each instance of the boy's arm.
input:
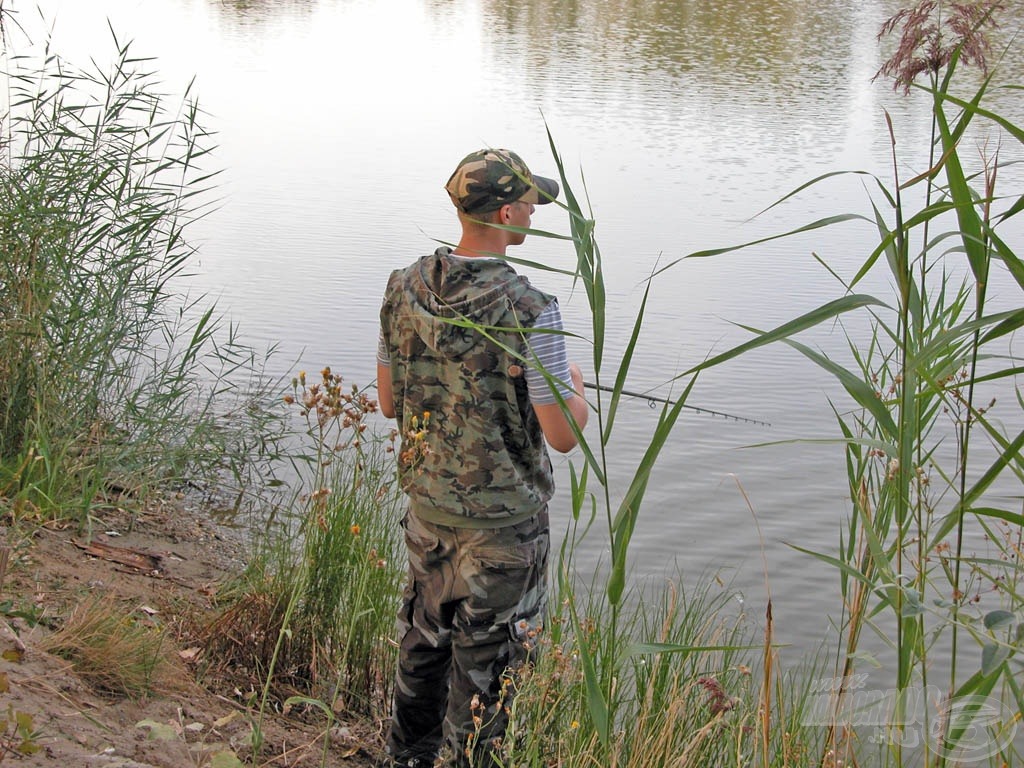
(385, 397)
(553, 422)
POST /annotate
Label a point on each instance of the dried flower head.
(930, 32)
(415, 448)
(718, 700)
(328, 408)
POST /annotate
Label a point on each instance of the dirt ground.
(164, 567)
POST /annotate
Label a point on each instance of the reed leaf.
(1014, 518)
(597, 705)
(976, 690)
(995, 326)
(629, 509)
(845, 567)
(646, 649)
(627, 358)
(972, 108)
(804, 322)
(964, 505)
(819, 224)
(823, 177)
(1001, 251)
(969, 220)
(861, 391)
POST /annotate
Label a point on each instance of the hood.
(448, 292)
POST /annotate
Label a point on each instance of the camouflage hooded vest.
(472, 452)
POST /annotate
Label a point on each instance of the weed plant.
(350, 540)
(314, 612)
(105, 371)
(19, 737)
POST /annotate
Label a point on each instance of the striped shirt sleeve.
(550, 351)
(382, 350)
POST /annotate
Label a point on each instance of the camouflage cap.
(490, 178)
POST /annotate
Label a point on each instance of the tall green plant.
(937, 345)
(912, 387)
(917, 370)
(107, 376)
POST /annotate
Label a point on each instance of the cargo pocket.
(422, 543)
(527, 623)
(505, 558)
(514, 579)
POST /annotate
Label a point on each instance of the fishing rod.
(651, 400)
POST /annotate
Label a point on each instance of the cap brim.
(544, 191)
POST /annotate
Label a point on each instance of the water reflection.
(730, 42)
(726, 38)
(254, 15)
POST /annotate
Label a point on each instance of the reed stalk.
(921, 366)
(108, 376)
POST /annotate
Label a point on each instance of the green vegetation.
(102, 387)
(104, 367)
(314, 610)
(17, 733)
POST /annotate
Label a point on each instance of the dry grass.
(244, 637)
(117, 652)
(931, 32)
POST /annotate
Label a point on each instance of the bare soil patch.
(163, 566)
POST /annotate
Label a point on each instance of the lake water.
(338, 122)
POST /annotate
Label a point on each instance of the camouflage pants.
(471, 612)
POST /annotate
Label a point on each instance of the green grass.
(687, 685)
(106, 371)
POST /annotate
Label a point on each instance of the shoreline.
(162, 567)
